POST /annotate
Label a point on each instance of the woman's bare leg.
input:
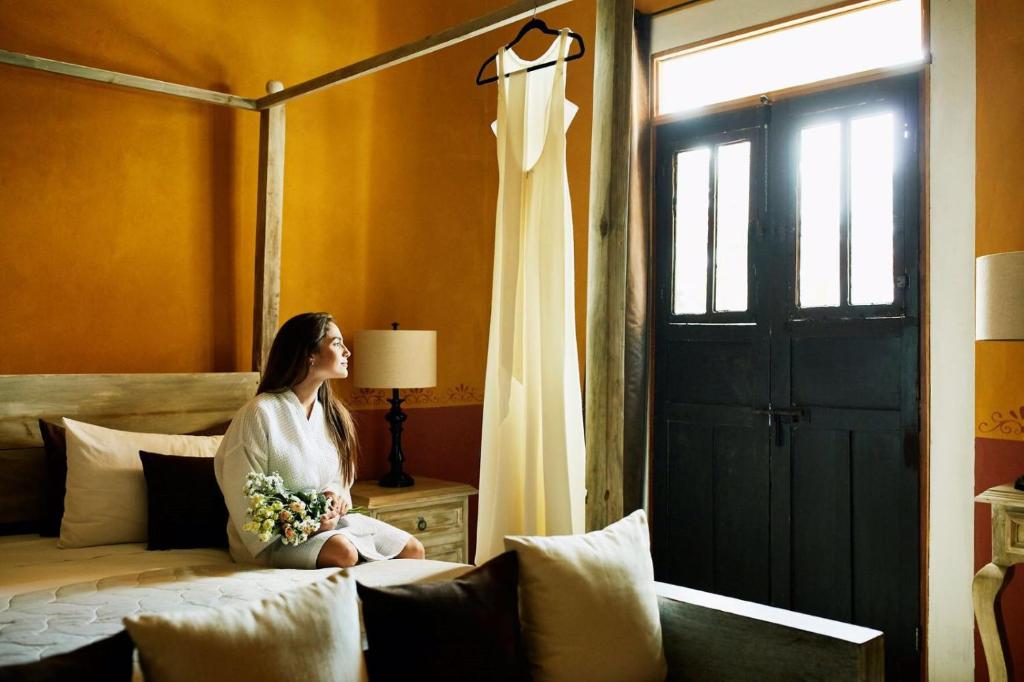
(337, 552)
(412, 550)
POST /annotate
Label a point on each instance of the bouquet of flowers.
(275, 510)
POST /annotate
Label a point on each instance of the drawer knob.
(421, 523)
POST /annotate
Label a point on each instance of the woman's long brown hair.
(288, 364)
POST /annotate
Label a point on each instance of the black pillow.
(55, 450)
(462, 629)
(186, 507)
(107, 659)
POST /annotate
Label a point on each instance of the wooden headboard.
(153, 403)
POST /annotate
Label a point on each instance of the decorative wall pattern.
(1011, 423)
(371, 398)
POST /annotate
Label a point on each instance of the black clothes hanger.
(532, 24)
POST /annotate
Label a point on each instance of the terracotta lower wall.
(439, 442)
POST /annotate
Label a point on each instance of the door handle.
(776, 419)
(792, 414)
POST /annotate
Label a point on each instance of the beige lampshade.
(1000, 297)
(395, 358)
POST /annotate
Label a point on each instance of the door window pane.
(819, 216)
(871, 209)
(731, 226)
(691, 231)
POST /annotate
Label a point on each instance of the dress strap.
(563, 49)
(500, 69)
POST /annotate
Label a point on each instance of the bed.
(53, 599)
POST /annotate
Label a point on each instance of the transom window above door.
(856, 38)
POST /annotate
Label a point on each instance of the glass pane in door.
(819, 216)
(693, 177)
(871, 209)
(731, 226)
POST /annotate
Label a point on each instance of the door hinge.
(902, 281)
(917, 639)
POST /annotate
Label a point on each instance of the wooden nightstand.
(432, 510)
(1007, 549)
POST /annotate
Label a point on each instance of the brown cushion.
(55, 451)
(185, 505)
(108, 659)
(462, 629)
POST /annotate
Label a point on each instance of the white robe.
(271, 433)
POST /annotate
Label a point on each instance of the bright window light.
(819, 216)
(871, 209)
(693, 178)
(881, 35)
(732, 225)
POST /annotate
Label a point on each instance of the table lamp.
(395, 359)
(1000, 302)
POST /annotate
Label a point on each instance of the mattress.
(54, 600)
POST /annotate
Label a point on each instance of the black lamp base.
(396, 479)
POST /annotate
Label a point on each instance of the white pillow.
(310, 633)
(587, 604)
(105, 502)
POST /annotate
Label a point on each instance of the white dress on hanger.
(532, 449)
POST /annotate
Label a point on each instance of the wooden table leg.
(987, 583)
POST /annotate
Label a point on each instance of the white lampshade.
(395, 358)
(1000, 297)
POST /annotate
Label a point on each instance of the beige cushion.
(588, 606)
(310, 633)
(105, 502)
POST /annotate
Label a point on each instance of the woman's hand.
(339, 507)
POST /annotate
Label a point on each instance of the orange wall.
(999, 366)
(1000, 200)
(128, 218)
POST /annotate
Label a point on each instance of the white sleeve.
(244, 451)
(340, 489)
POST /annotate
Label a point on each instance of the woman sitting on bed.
(295, 427)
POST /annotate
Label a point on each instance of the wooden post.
(126, 80)
(510, 14)
(267, 295)
(606, 268)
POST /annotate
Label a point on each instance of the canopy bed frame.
(615, 380)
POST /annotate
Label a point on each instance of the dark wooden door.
(786, 357)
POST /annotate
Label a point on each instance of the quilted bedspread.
(54, 600)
